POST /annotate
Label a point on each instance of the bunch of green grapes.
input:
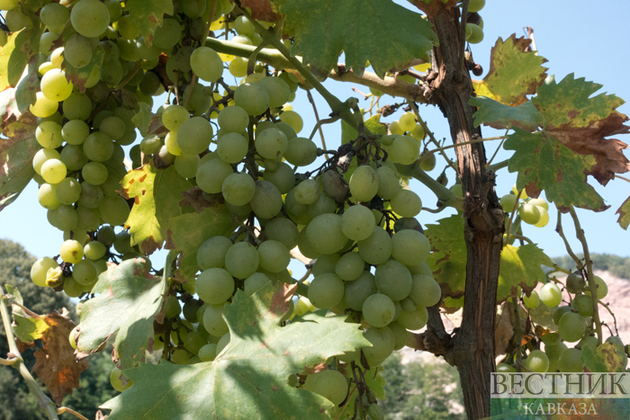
(533, 211)
(573, 328)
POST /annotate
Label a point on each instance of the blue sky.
(575, 37)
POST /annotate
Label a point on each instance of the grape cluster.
(240, 146)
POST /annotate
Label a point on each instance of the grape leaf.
(582, 123)
(543, 163)
(26, 90)
(78, 77)
(27, 41)
(208, 221)
(520, 266)
(380, 31)
(16, 151)
(261, 10)
(248, 380)
(605, 358)
(514, 73)
(5, 57)
(55, 362)
(145, 120)
(500, 116)
(157, 193)
(128, 299)
(624, 214)
(148, 15)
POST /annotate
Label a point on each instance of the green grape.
(282, 230)
(73, 157)
(255, 282)
(537, 361)
(208, 352)
(300, 151)
(238, 188)
(357, 291)
(113, 126)
(68, 190)
(267, 200)
(16, 20)
(404, 150)
(114, 210)
(393, 279)
(172, 146)
(575, 282)
(115, 9)
(94, 250)
(474, 33)
(40, 268)
(47, 196)
(94, 173)
(90, 18)
(106, 235)
(350, 266)
(174, 116)
(571, 327)
(383, 343)
(244, 26)
(539, 202)
(212, 174)
(152, 144)
(238, 67)
(42, 156)
(206, 64)
(364, 183)
(283, 177)
(252, 98)
(427, 160)
(413, 320)
(357, 223)
(232, 147)
(215, 285)
(172, 308)
(504, 367)
(55, 16)
(325, 235)
(122, 242)
(584, 305)
(115, 376)
(558, 312)
(508, 202)
(532, 301)
(127, 28)
(326, 290)
(211, 253)
(78, 51)
(476, 5)
(48, 134)
(63, 217)
(407, 121)
(271, 143)
(410, 247)
(91, 195)
(406, 203)
(55, 86)
(570, 361)
(377, 248)
(273, 256)
(325, 264)
(425, 291)
(56, 58)
(150, 84)
(53, 171)
(194, 135)
(84, 272)
(223, 342)
(71, 251)
(616, 341)
(378, 310)
(602, 288)
(241, 260)
(194, 341)
(306, 192)
(89, 219)
(112, 72)
(168, 35)
(550, 295)
(180, 357)
(529, 214)
(186, 165)
(213, 321)
(277, 89)
(233, 119)
(324, 204)
(330, 384)
(98, 146)
(293, 119)
(77, 107)
(388, 184)
(75, 131)
(43, 107)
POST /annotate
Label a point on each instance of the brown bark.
(471, 347)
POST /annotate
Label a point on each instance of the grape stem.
(566, 242)
(508, 228)
(318, 126)
(62, 410)
(45, 403)
(462, 42)
(605, 305)
(518, 332)
(497, 151)
(579, 232)
(425, 127)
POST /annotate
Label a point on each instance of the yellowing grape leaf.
(5, 56)
(379, 31)
(261, 10)
(208, 221)
(148, 15)
(17, 150)
(248, 379)
(128, 298)
(500, 116)
(520, 266)
(606, 358)
(513, 72)
(624, 214)
(582, 123)
(157, 193)
(448, 259)
(55, 362)
(543, 163)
